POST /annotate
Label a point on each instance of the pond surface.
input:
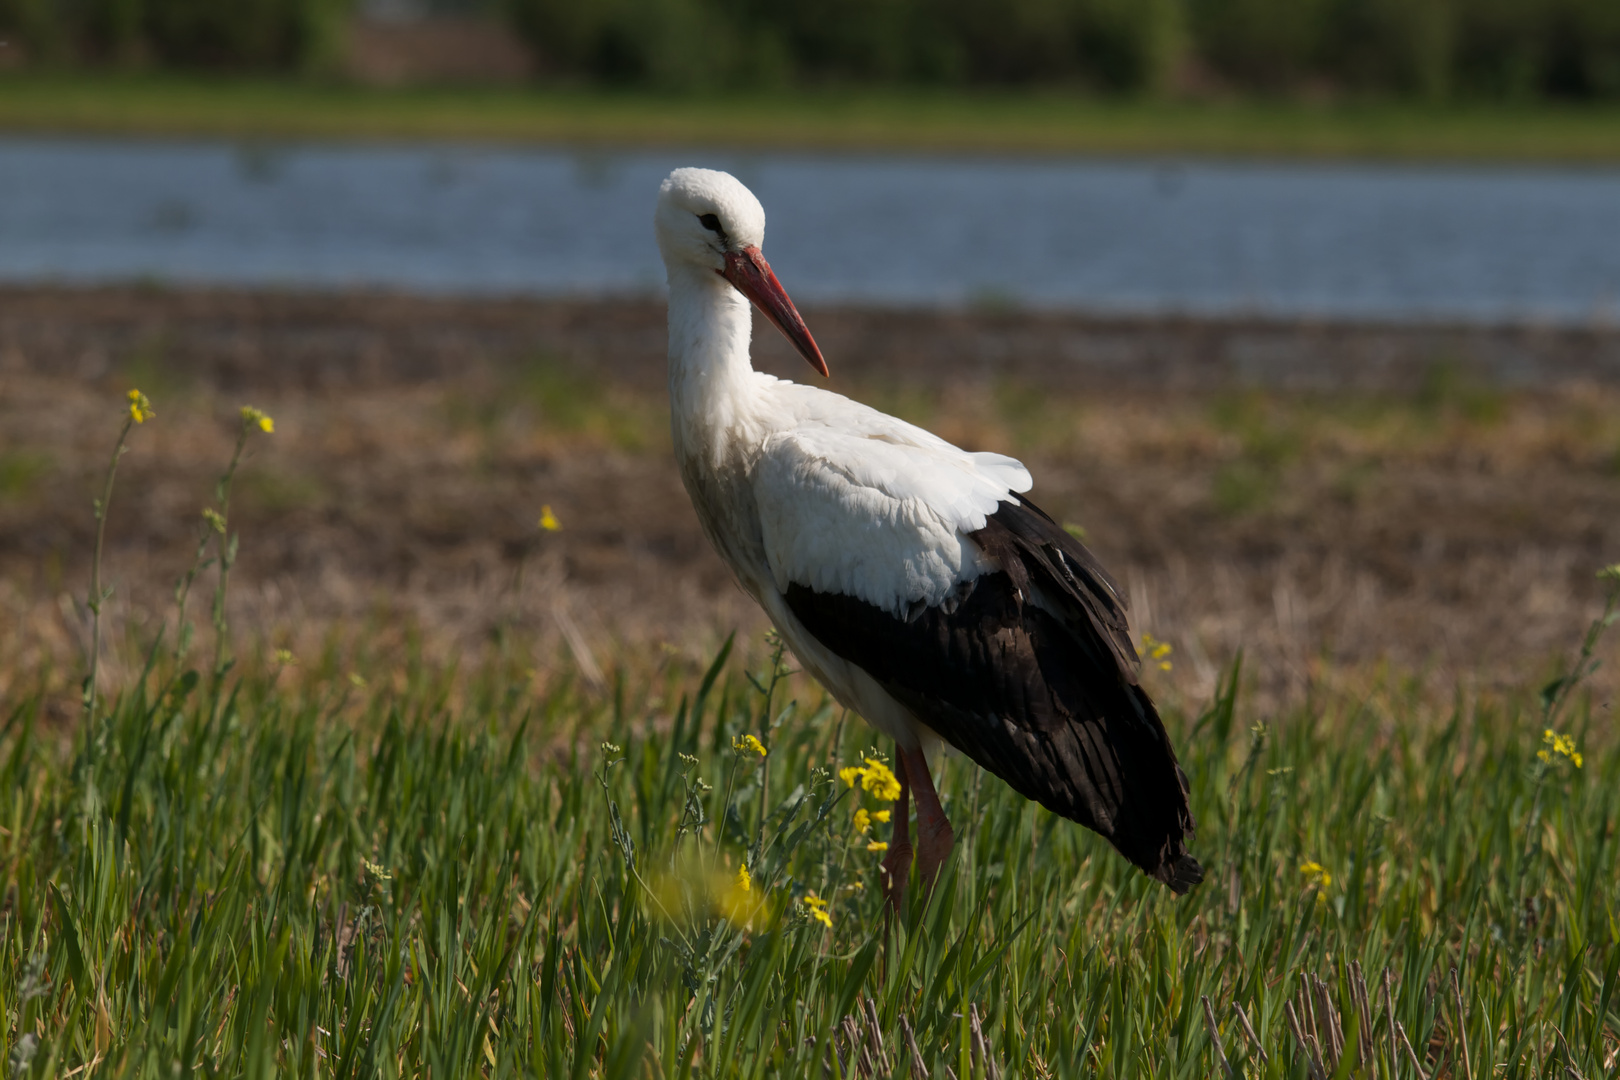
(1377, 241)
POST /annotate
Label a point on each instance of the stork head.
(709, 221)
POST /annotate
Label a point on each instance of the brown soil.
(1327, 498)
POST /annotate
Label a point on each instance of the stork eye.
(710, 222)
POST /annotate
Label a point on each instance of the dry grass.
(1446, 529)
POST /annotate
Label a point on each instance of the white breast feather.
(866, 505)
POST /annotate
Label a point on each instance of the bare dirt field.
(1334, 500)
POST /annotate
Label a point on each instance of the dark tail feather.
(1181, 875)
(1115, 770)
(1155, 824)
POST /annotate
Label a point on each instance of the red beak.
(751, 274)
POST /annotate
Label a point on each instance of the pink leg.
(897, 863)
(934, 836)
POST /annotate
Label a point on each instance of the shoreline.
(375, 337)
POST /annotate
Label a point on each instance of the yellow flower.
(881, 816)
(1156, 651)
(747, 744)
(863, 821)
(285, 657)
(548, 520)
(1318, 878)
(258, 418)
(1562, 745)
(215, 519)
(140, 409)
(874, 778)
(818, 909)
(880, 781)
(877, 845)
(735, 899)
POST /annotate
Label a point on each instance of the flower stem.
(227, 557)
(98, 596)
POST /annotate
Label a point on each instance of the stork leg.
(934, 836)
(897, 863)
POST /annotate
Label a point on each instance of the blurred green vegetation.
(1430, 49)
(549, 397)
(250, 34)
(280, 490)
(1414, 49)
(21, 472)
(977, 120)
(1448, 392)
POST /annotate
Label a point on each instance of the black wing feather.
(1030, 672)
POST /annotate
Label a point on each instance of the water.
(1380, 241)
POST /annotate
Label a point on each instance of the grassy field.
(351, 865)
(987, 122)
(339, 874)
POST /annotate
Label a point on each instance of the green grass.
(21, 472)
(989, 122)
(416, 872)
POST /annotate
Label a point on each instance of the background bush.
(1434, 49)
(239, 34)
(1500, 50)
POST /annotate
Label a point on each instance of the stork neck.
(710, 376)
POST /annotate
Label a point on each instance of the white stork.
(907, 575)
